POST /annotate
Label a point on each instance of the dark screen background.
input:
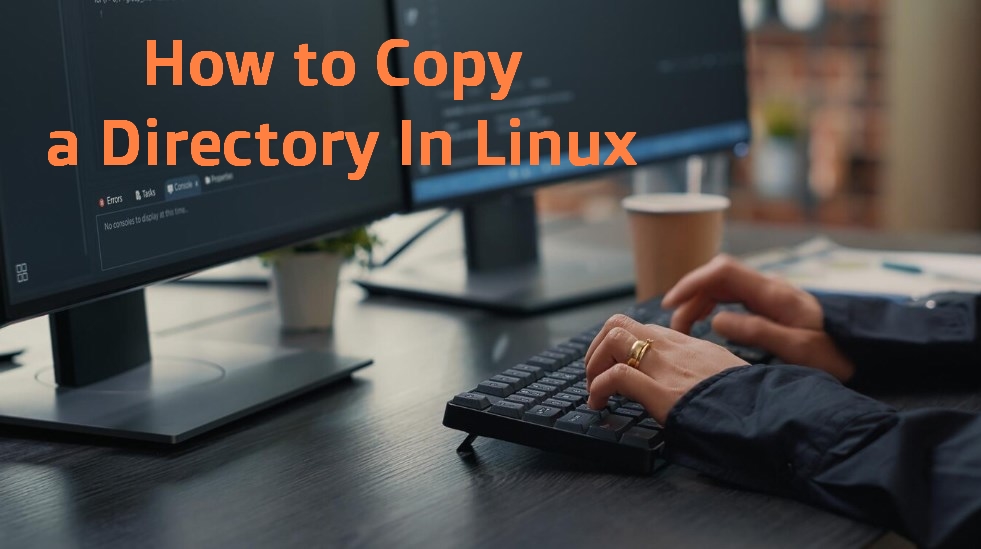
(649, 66)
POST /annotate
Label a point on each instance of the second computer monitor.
(673, 72)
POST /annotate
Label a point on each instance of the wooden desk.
(368, 463)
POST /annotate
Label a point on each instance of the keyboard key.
(538, 395)
(559, 384)
(508, 408)
(581, 385)
(558, 354)
(495, 388)
(610, 428)
(475, 401)
(573, 370)
(579, 349)
(612, 404)
(514, 382)
(562, 358)
(641, 438)
(527, 401)
(575, 399)
(629, 412)
(568, 378)
(549, 364)
(535, 371)
(601, 414)
(633, 406)
(543, 415)
(640, 313)
(545, 388)
(577, 391)
(650, 423)
(620, 400)
(576, 422)
(563, 405)
(525, 377)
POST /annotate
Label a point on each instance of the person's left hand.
(673, 365)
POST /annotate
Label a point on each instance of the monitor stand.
(104, 381)
(504, 270)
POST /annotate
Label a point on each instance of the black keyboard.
(542, 403)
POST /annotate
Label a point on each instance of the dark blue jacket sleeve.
(798, 432)
(933, 342)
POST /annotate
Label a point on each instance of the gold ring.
(637, 352)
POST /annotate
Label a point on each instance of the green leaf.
(356, 243)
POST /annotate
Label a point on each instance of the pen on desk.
(917, 270)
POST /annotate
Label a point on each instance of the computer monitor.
(75, 240)
(674, 72)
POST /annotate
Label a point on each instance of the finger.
(756, 331)
(792, 345)
(633, 384)
(725, 280)
(614, 348)
(695, 281)
(615, 321)
(690, 312)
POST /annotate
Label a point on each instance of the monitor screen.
(76, 233)
(673, 72)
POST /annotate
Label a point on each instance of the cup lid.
(674, 203)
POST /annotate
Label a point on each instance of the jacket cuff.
(889, 342)
(762, 427)
(837, 315)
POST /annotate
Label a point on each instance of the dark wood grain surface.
(367, 463)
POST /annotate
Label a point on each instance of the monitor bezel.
(588, 175)
(11, 312)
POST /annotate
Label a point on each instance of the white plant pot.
(306, 286)
(780, 168)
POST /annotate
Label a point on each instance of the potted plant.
(780, 169)
(305, 277)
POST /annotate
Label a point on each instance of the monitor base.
(506, 268)
(565, 277)
(170, 400)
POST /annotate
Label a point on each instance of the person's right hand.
(785, 320)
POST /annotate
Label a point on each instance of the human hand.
(785, 320)
(672, 366)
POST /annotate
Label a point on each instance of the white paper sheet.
(822, 265)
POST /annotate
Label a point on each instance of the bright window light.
(754, 13)
(801, 15)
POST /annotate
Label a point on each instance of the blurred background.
(865, 113)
